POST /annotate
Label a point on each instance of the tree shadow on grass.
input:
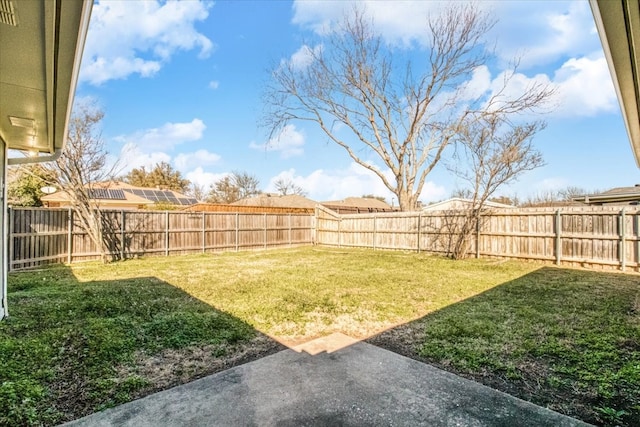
(565, 339)
(70, 348)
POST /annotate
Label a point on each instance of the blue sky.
(182, 83)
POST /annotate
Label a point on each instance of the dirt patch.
(174, 367)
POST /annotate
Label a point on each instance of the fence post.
(10, 215)
(122, 228)
(290, 239)
(70, 236)
(375, 230)
(166, 233)
(419, 227)
(204, 232)
(339, 232)
(623, 243)
(265, 230)
(478, 235)
(558, 237)
(638, 241)
(314, 227)
(237, 230)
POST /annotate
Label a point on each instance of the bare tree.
(554, 197)
(568, 193)
(285, 187)
(233, 187)
(82, 165)
(197, 191)
(404, 114)
(492, 152)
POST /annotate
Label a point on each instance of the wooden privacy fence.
(591, 236)
(40, 236)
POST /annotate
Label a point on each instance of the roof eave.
(64, 26)
(618, 24)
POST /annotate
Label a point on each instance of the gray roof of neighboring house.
(618, 194)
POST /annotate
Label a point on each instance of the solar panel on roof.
(106, 194)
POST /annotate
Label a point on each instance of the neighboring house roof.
(460, 203)
(618, 24)
(357, 205)
(213, 207)
(124, 195)
(277, 200)
(618, 195)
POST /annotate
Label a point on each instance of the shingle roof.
(358, 202)
(618, 194)
(276, 200)
(121, 192)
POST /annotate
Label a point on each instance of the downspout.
(4, 226)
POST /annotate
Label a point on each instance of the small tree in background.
(492, 152)
(26, 183)
(197, 191)
(162, 175)
(372, 196)
(553, 197)
(285, 187)
(82, 165)
(233, 187)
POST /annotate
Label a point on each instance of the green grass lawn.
(88, 336)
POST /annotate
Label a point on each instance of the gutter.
(38, 159)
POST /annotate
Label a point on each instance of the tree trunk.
(407, 201)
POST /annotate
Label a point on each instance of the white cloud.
(585, 87)
(538, 32)
(288, 142)
(354, 181)
(303, 57)
(167, 136)
(542, 32)
(185, 161)
(134, 37)
(214, 84)
(200, 177)
(131, 157)
(399, 22)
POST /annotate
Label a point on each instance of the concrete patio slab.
(355, 384)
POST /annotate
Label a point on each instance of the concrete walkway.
(354, 384)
